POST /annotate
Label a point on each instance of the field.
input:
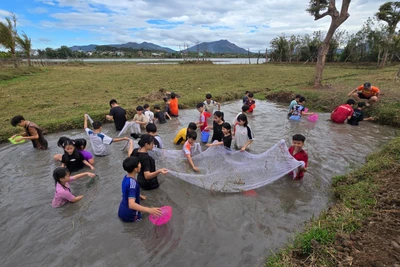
(56, 97)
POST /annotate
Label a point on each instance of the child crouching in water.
(72, 158)
(80, 145)
(63, 193)
(296, 150)
(130, 209)
(226, 139)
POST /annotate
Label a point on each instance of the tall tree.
(26, 45)
(390, 13)
(8, 34)
(328, 7)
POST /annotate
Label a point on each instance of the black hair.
(192, 126)
(367, 85)
(247, 92)
(243, 117)
(208, 96)
(146, 106)
(157, 107)
(165, 99)
(145, 139)
(130, 163)
(62, 140)
(151, 128)
(200, 105)
(361, 104)
(245, 108)
(350, 101)
(299, 137)
(173, 95)
(17, 119)
(219, 114)
(113, 101)
(297, 96)
(192, 135)
(71, 142)
(227, 126)
(96, 125)
(80, 142)
(59, 173)
(302, 99)
(251, 95)
(139, 108)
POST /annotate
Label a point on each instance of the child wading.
(63, 193)
(130, 209)
(32, 132)
(296, 150)
(72, 158)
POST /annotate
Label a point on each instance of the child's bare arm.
(83, 174)
(134, 206)
(76, 199)
(120, 139)
(189, 157)
(88, 164)
(246, 145)
(85, 122)
(215, 144)
(166, 113)
(130, 148)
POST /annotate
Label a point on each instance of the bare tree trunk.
(266, 54)
(385, 57)
(258, 56)
(319, 68)
(248, 53)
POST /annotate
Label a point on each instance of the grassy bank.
(57, 97)
(330, 239)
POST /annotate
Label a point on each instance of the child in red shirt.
(296, 150)
(343, 112)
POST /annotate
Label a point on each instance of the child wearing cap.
(365, 91)
(99, 140)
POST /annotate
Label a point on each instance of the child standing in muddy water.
(63, 193)
(72, 158)
(296, 150)
(32, 132)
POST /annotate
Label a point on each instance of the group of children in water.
(139, 165)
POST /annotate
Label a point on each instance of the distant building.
(157, 54)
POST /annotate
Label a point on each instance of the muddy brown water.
(207, 229)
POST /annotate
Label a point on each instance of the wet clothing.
(251, 104)
(160, 116)
(358, 115)
(217, 132)
(31, 129)
(341, 113)
(141, 118)
(149, 115)
(63, 195)
(242, 135)
(203, 119)
(119, 117)
(367, 94)
(187, 148)
(244, 99)
(148, 165)
(99, 142)
(227, 141)
(209, 107)
(180, 138)
(291, 105)
(86, 154)
(158, 142)
(73, 162)
(297, 110)
(173, 107)
(300, 156)
(130, 189)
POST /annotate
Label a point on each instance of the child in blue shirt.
(294, 102)
(130, 209)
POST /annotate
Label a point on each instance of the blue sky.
(173, 23)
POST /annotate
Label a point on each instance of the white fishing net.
(228, 171)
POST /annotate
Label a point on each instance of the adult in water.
(147, 176)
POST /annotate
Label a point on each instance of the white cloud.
(112, 21)
(38, 10)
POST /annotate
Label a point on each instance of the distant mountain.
(221, 46)
(144, 45)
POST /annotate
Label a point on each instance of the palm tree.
(8, 34)
(26, 45)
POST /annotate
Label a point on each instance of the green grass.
(355, 199)
(56, 97)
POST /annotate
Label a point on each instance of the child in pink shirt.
(63, 192)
